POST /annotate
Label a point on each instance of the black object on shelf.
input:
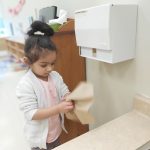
(48, 13)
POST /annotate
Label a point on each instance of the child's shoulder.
(55, 74)
(25, 78)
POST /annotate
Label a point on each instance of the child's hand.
(64, 97)
(65, 106)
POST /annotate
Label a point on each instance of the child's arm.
(44, 113)
(29, 105)
(62, 88)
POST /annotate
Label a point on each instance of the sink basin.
(145, 146)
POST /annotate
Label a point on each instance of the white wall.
(32, 5)
(143, 49)
(115, 85)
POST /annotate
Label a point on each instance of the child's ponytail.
(41, 28)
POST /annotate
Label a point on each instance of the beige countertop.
(128, 132)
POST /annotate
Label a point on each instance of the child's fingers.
(72, 104)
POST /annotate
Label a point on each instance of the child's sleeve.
(27, 99)
(62, 87)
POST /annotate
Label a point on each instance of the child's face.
(44, 65)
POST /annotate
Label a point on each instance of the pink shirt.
(54, 129)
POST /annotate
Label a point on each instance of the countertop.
(128, 132)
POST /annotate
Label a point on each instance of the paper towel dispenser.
(107, 32)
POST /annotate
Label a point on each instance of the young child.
(41, 90)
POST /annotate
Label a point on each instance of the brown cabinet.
(72, 67)
(69, 64)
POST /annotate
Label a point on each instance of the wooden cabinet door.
(72, 68)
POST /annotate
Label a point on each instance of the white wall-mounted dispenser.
(107, 32)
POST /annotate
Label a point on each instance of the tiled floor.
(11, 118)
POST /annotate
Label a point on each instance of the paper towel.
(82, 97)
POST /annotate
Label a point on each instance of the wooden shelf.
(67, 27)
(15, 48)
(2, 44)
